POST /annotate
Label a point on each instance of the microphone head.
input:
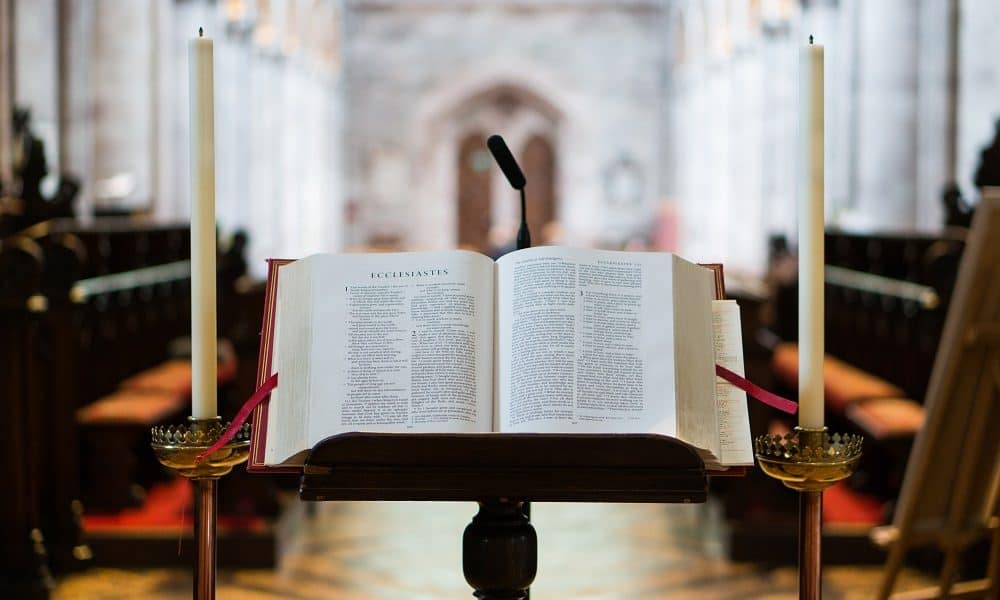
(501, 153)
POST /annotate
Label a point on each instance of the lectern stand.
(501, 472)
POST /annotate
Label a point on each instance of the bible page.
(401, 343)
(697, 417)
(734, 418)
(585, 342)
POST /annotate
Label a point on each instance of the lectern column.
(500, 551)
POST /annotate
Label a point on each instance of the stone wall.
(338, 121)
(590, 71)
(117, 116)
(890, 107)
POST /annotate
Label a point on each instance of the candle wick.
(810, 40)
(201, 33)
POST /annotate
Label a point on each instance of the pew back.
(887, 295)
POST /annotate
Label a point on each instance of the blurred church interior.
(358, 126)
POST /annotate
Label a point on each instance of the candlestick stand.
(809, 461)
(177, 447)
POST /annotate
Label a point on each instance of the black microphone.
(506, 161)
(501, 153)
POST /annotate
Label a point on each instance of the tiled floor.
(376, 551)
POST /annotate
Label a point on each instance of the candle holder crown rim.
(808, 459)
(199, 433)
(178, 447)
(809, 445)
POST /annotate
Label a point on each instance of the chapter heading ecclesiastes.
(401, 274)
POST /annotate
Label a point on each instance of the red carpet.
(843, 505)
(167, 506)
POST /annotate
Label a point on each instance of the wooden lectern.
(502, 472)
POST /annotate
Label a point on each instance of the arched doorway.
(487, 209)
(451, 183)
(473, 193)
(539, 164)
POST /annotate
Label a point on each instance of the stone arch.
(473, 192)
(516, 100)
(538, 159)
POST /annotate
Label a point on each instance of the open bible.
(544, 340)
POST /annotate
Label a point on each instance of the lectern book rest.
(548, 340)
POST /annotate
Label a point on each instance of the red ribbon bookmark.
(772, 400)
(242, 416)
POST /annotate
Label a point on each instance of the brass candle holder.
(178, 447)
(809, 460)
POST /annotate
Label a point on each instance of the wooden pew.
(129, 320)
(886, 297)
(117, 293)
(125, 322)
(24, 569)
(118, 424)
(61, 508)
(88, 339)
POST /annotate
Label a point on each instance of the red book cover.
(258, 436)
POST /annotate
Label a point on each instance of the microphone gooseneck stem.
(523, 237)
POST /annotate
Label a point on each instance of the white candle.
(811, 259)
(203, 350)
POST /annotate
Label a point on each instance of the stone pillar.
(886, 144)
(267, 150)
(321, 224)
(933, 108)
(330, 60)
(165, 187)
(234, 118)
(320, 173)
(76, 122)
(232, 121)
(108, 128)
(744, 220)
(122, 94)
(296, 131)
(36, 72)
(779, 123)
(241, 43)
(6, 101)
(979, 85)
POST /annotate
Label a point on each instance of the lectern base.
(500, 551)
(503, 473)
